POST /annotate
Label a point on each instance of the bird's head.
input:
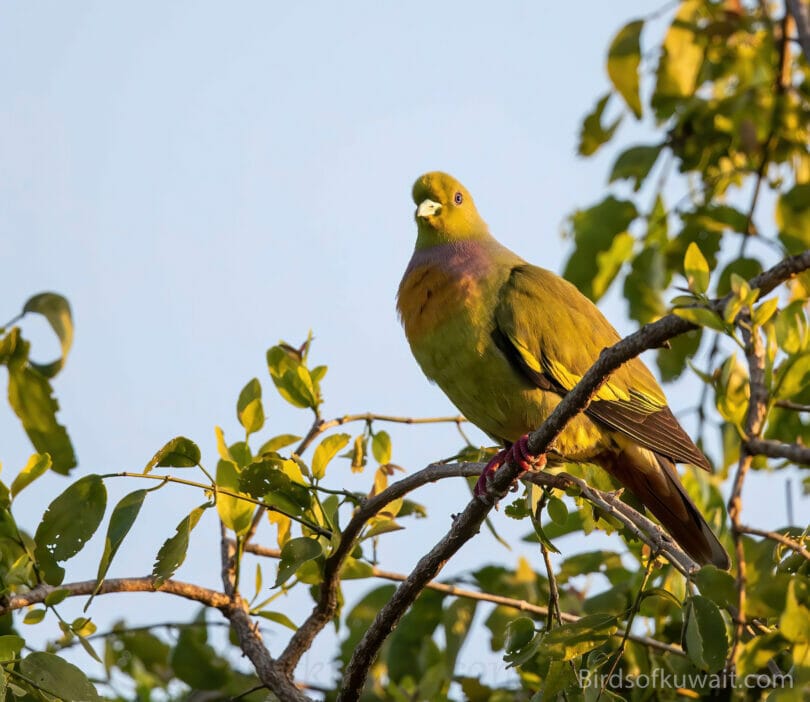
(445, 211)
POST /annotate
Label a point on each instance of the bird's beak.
(428, 208)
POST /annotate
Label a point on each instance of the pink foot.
(519, 454)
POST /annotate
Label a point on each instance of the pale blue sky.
(201, 180)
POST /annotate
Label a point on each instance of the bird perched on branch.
(505, 340)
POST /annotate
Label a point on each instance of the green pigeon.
(505, 340)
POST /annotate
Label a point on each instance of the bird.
(506, 340)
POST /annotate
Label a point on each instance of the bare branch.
(37, 595)
(776, 449)
(789, 404)
(783, 539)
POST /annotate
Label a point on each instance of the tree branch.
(783, 539)
(776, 449)
(801, 14)
(37, 595)
(467, 524)
(754, 421)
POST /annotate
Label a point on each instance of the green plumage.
(505, 340)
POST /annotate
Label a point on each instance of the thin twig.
(783, 539)
(789, 404)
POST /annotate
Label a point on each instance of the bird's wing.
(553, 334)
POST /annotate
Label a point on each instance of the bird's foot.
(519, 454)
(489, 470)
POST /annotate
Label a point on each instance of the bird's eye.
(458, 198)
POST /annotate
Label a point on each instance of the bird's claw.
(519, 454)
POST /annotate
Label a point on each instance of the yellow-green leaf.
(624, 57)
(56, 309)
(696, 269)
(37, 465)
(683, 54)
(326, 451)
(700, 316)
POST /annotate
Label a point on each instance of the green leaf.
(292, 380)
(56, 596)
(195, 662)
(121, 521)
(635, 164)
(407, 645)
(718, 585)
(68, 523)
(173, 552)
(624, 57)
(457, 619)
(705, 638)
(701, 316)
(326, 451)
(34, 616)
(381, 447)
(744, 267)
(235, 514)
(249, 409)
(10, 646)
(557, 511)
(793, 376)
(793, 218)
(278, 442)
(56, 310)
(574, 639)
(593, 134)
(644, 284)
(294, 554)
(518, 634)
(794, 622)
(278, 618)
(180, 452)
(57, 677)
(273, 481)
(672, 361)
(37, 465)
(696, 269)
(682, 58)
(602, 244)
(31, 397)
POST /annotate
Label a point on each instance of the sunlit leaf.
(696, 269)
(180, 452)
(173, 551)
(56, 309)
(624, 57)
(31, 397)
(37, 465)
(249, 409)
(593, 133)
(325, 452)
(65, 528)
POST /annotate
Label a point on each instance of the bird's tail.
(652, 478)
